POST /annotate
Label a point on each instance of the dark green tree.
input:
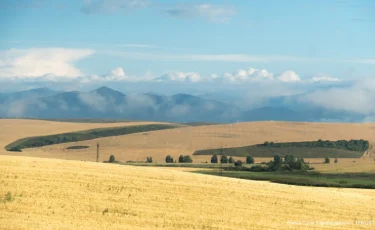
(187, 159)
(169, 159)
(214, 159)
(181, 159)
(224, 159)
(327, 160)
(238, 163)
(231, 160)
(249, 160)
(112, 159)
(149, 160)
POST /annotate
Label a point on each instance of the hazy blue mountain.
(106, 103)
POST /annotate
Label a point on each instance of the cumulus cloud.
(210, 12)
(322, 78)
(41, 62)
(246, 75)
(289, 76)
(110, 6)
(180, 76)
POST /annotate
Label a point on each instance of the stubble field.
(59, 194)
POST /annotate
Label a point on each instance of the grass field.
(340, 180)
(58, 194)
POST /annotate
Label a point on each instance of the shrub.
(336, 161)
(258, 168)
(238, 163)
(112, 159)
(249, 160)
(231, 160)
(15, 149)
(224, 159)
(169, 159)
(149, 160)
(214, 159)
(327, 160)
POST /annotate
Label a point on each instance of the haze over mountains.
(106, 103)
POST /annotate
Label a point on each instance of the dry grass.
(159, 144)
(60, 194)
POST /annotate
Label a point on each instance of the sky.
(255, 48)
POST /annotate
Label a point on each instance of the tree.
(112, 159)
(289, 159)
(238, 163)
(214, 159)
(181, 159)
(326, 160)
(224, 159)
(187, 159)
(249, 160)
(336, 161)
(231, 160)
(149, 160)
(277, 159)
(169, 159)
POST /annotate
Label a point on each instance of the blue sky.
(121, 41)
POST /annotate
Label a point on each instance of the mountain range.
(106, 103)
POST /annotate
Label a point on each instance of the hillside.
(14, 129)
(52, 194)
(159, 144)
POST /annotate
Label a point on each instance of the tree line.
(353, 145)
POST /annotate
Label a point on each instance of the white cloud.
(212, 13)
(289, 76)
(322, 78)
(118, 72)
(110, 6)
(137, 45)
(247, 75)
(39, 62)
(180, 76)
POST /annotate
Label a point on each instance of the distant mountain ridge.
(106, 103)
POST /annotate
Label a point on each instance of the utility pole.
(97, 152)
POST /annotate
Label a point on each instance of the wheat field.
(39, 193)
(186, 140)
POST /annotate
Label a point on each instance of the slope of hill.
(55, 194)
(14, 129)
(175, 142)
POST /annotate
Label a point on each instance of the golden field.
(186, 140)
(61, 194)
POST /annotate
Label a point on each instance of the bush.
(149, 160)
(249, 160)
(169, 159)
(336, 161)
(238, 163)
(224, 159)
(214, 159)
(112, 159)
(258, 168)
(231, 160)
(327, 160)
(15, 149)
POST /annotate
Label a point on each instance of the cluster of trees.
(181, 159)
(185, 159)
(224, 159)
(289, 162)
(353, 145)
(327, 160)
(149, 160)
